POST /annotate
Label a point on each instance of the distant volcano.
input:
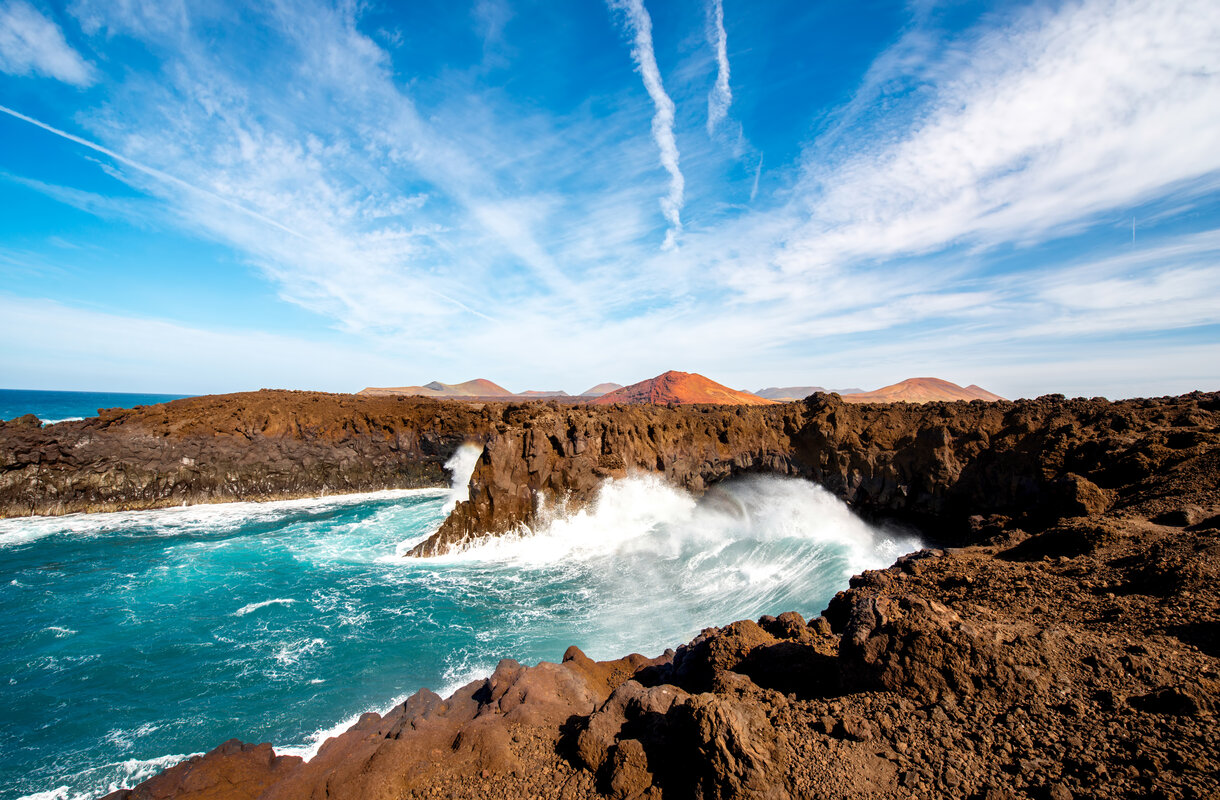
(480, 387)
(682, 388)
(600, 389)
(922, 390)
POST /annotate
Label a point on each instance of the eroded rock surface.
(1070, 649)
(266, 445)
(987, 671)
(952, 468)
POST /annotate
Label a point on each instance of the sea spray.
(284, 621)
(461, 466)
(644, 548)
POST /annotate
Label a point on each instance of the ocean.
(135, 639)
(52, 407)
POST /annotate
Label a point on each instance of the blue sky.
(205, 197)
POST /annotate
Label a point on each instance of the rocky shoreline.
(1080, 662)
(1062, 643)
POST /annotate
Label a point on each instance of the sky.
(211, 196)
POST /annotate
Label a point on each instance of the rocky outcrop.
(1068, 649)
(254, 446)
(955, 470)
(990, 671)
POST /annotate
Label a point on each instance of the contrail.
(156, 173)
(663, 120)
(721, 96)
(167, 178)
(757, 176)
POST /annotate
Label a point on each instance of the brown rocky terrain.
(1081, 661)
(680, 388)
(1062, 643)
(922, 390)
(941, 466)
(253, 446)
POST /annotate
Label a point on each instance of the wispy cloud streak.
(721, 96)
(31, 44)
(210, 196)
(640, 25)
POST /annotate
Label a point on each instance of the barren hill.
(480, 387)
(600, 389)
(681, 388)
(922, 390)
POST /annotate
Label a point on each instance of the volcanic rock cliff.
(253, 446)
(943, 466)
(1082, 661)
(1070, 649)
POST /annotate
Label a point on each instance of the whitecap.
(314, 741)
(60, 632)
(292, 652)
(58, 793)
(203, 517)
(279, 601)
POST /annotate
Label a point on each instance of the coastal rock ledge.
(1062, 641)
(1081, 662)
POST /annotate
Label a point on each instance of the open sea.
(131, 640)
(52, 407)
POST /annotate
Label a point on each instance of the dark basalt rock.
(1068, 650)
(264, 445)
(943, 467)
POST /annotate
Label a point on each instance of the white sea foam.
(290, 653)
(58, 793)
(461, 466)
(279, 601)
(128, 773)
(112, 777)
(46, 422)
(644, 549)
(644, 515)
(60, 632)
(313, 743)
(208, 517)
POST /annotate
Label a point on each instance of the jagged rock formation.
(946, 467)
(1070, 649)
(254, 446)
(1083, 661)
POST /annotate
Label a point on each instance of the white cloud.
(48, 344)
(468, 231)
(31, 44)
(640, 25)
(721, 96)
(1033, 131)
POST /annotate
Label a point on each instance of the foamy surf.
(178, 519)
(279, 601)
(301, 616)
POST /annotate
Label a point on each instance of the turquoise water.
(60, 406)
(133, 639)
